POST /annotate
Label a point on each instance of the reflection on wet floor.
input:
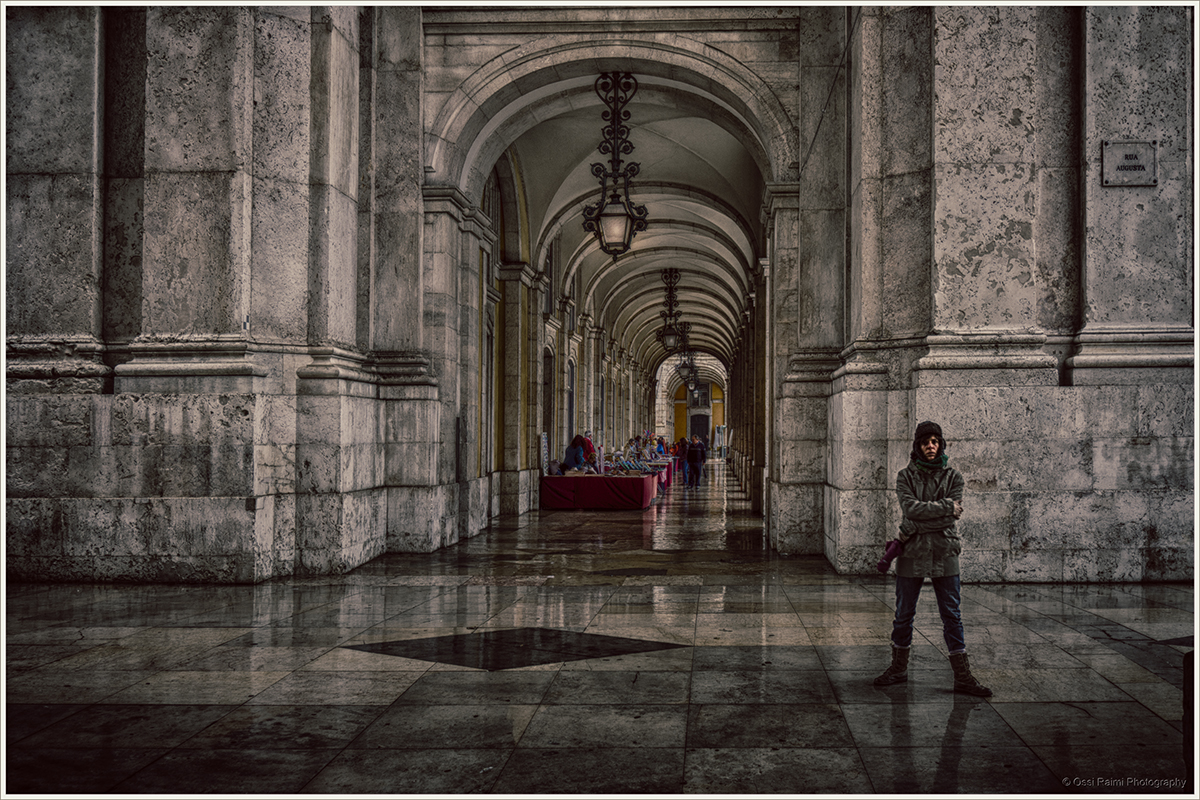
(659, 652)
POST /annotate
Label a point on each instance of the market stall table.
(668, 470)
(598, 491)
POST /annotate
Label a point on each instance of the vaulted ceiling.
(701, 180)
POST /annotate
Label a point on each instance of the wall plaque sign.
(1128, 163)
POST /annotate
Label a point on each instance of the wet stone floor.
(657, 652)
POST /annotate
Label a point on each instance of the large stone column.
(195, 283)
(587, 374)
(517, 280)
(391, 274)
(804, 326)
(341, 504)
(1138, 239)
(55, 158)
(888, 290)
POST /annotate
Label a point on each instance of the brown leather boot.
(964, 681)
(897, 672)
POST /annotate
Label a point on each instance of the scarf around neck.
(932, 466)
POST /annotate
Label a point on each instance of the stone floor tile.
(22, 658)
(25, 719)
(767, 687)
(327, 688)
(957, 770)
(756, 657)
(745, 607)
(654, 620)
(288, 636)
(212, 688)
(965, 722)
(232, 771)
(1089, 723)
(730, 635)
(1116, 668)
(1047, 685)
(1160, 697)
(618, 688)
(757, 686)
(575, 726)
(423, 727)
(1087, 769)
(418, 772)
(683, 635)
(674, 660)
(748, 621)
(774, 770)
(68, 635)
(877, 657)
(879, 635)
(603, 771)
(252, 659)
(127, 726)
(45, 685)
(71, 770)
(344, 659)
(922, 686)
(286, 727)
(718, 725)
(461, 688)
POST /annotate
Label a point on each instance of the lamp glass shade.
(670, 339)
(691, 384)
(616, 227)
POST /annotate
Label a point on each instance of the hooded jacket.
(927, 492)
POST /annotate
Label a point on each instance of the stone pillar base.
(421, 519)
(795, 518)
(517, 492)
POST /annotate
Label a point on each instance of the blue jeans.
(948, 591)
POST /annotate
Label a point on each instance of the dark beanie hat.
(927, 429)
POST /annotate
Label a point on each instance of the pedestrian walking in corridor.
(695, 459)
(930, 493)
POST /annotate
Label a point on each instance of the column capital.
(517, 272)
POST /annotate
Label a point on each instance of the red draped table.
(668, 470)
(598, 491)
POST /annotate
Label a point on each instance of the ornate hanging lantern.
(673, 333)
(615, 218)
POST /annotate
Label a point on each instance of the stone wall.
(1070, 413)
(247, 300)
(211, 377)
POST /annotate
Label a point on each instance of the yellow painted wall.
(716, 397)
(681, 421)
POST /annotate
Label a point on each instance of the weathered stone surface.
(282, 102)
(196, 253)
(985, 262)
(50, 122)
(796, 518)
(984, 73)
(52, 254)
(1133, 235)
(418, 517)
(170, 540)
(333, 271)
(200, 78)
(279, 260)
